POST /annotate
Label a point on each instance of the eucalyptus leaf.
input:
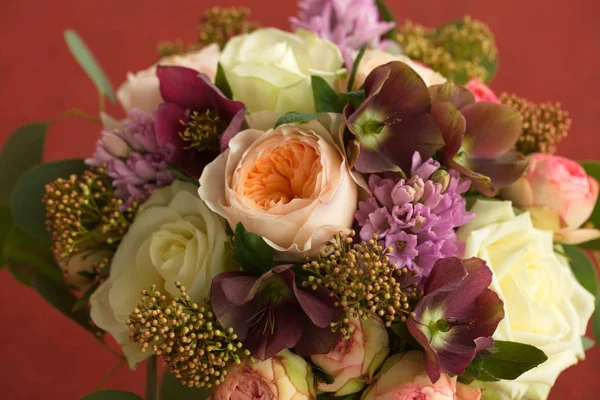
(63, 300)
(22, 273)
(112, 395)
(296, 117)
(23, 150)
(28, 211)
(171, 388)
(222, 83)
(357, 60)
(583, 268)
(251, 251)
(88, 63)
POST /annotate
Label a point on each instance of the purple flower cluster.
(349, 24)
(416, 217)
(133, 158)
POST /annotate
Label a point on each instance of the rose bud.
(80, 268)
(353, 362)
(403, 377)
(559, 195)
(457, 316)
(285, 376)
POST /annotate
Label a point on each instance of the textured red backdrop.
(549, 50)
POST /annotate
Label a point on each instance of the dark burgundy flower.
(400, 116)
(457, 316)
(196, 121)
(270, 313)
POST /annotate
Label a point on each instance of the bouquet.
(344, 210)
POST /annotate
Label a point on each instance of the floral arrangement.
(344, 210)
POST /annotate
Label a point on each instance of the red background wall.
(549, 50)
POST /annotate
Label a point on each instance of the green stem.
(76, 113)
(152, 379)
(110, 373)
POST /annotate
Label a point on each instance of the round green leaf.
(23, 149)
(171, 388)
(28, 211)
(88, 62)
(111, 395)
(583, 268)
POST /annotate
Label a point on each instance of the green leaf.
(583, 268)
(6, 222)
(357, 60)
(23, 149)
(22, 273)
(592, 168)
(171, 388)
(355, 98)
(509, 360)
(28, 211)
(297, 117)
(326, 99)
(180, 175)
(21, 248)
(63, 300)
(112, 395)
(222, 83)
(88, 62)
(251, 251)
(587, 343)
(388, 16)
(85, 297)
(322, 376)
(596, 322)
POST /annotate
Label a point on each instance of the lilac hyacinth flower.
(416, 217)
(350, 24)
(133, 158)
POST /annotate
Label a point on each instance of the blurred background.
(549, 50)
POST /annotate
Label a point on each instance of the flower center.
(287, 172)
(202, 131)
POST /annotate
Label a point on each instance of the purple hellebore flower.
(350, 24)
(196, 121)
(270, 313)
(457, 316)
(401, 115)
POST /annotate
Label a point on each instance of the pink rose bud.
(481, 91)
(353, 362)
(559, 194)
(285, 376)
(403, 377)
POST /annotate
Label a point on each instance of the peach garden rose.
(403, 377)
(291, 185)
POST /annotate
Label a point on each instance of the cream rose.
(545, 306)
(376, 58)
(174, 237)
(291, 185)
(141, 89)
(271, 70)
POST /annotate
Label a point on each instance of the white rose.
(376, 58)
(270, 70)
(141, 89)
(174, 237)
(545, 305)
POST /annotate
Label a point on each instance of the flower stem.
(152, 379)
(109, 374)
(77, 113)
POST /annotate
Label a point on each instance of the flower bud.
(79, 265)
(442, 177)
(354, 361)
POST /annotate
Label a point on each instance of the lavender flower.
(133, 158)
(349, 24)
(416, 217)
